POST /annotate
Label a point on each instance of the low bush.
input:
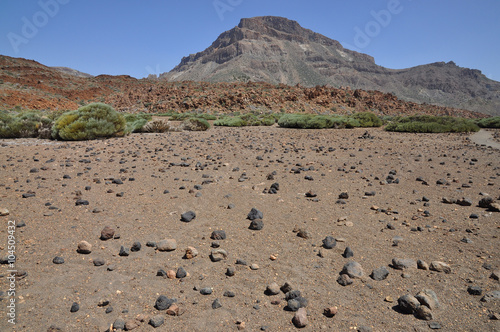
(230, 121)
(248, 119)
(195, 124)
(367, 119)
(24, 124)
(92, 121)
(156, 126)
(431, 124)
(310, 121)
(493, 122)
(135, 122)
(185, 116)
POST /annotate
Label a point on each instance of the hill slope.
(30, 85)
(278, 50)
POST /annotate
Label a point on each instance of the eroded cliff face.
(278, 50)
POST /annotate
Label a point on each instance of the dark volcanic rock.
(163, 302)
(188, 216)
(329, 242)
(255, 214)
(256, 225)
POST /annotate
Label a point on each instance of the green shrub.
(431, 124)
(135, 122)
(367, 119)
(309, 121)
(92, 121)
(230, 121)
(493, 122)
(247, 119)
(24, 124)
(206, 116)
(195, 124)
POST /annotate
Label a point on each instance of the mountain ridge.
(277, 50)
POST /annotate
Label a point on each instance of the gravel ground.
(380, 194)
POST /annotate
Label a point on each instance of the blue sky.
(141, 37)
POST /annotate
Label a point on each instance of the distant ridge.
(278, 50)
(73, 72)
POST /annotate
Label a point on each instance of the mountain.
(277, 50)
(27, 84)
(73, 72)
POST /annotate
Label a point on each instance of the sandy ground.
(221, 175)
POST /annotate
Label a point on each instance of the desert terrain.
(406, 206)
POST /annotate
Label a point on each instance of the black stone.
(256, 225)
(348, 252)
(163, 302)
(474, 290)
(124, 251)
(329, 242)
(74, 307)
(81, 202)
(255, 214)
(188, 216)
(58, 260)
(218, 235)
(181, 273)
(136, 246)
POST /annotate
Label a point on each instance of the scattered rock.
(166, 245)
(348, 253)
(188, 216)
(99, 262)
(330, 312)
(428, 297)
(216, 304)
(173, 310)
(344, 280)
(485, 202)
(58, 260)
(107, 233)
(206, 291)
(304, 234)
(191, 253)
(491, 296)
(379, 274)
(4, 212)
(422, 265)
(464, 202)
(157, 321)
(74, 307)
(424, 313)
(136, 246)
(408, 304)
(495, 207)
(256, 224)
(474, 290)
(329, 242)
(300, 318)
(119, 324)
(440, 267)
(255, 214)
(230, 271)
(272, 289)
(217, 255)
(163, 302)
(218, 235)
(84, 247)
(353, 270)
(131, 324)
(403, 263)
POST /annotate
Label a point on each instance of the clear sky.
(137, 38)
